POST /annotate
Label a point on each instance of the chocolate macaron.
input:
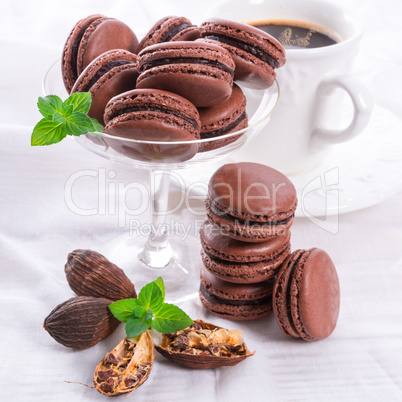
(198, 71)
(306, 295)
(170, 29)
(222, 119)
(242, 262)
(255, 53)
(91, 37)
(152, 115)
(110, 74)
(235, 301)
(251, 202)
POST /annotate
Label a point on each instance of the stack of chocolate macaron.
(194, 67)
(248, 268)
(245, 239)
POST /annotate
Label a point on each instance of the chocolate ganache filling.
(287, 290)
(226, 129)
(76, 45)
(221, 260)
(104, 70)
(216, 299)
(174, 31)
(219, 212)
(255, 51)
(140, 108)
(186, 60)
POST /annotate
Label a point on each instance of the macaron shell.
(251, 70)
(164, 27)
(246, 273)
(234, 291)
(203, 83)
(69, 62)
(227, 117)
(281, 295)
(228, 249)
(117, 80)
(152, 99)
(212, 287)
(190, 81)
(244, 231)
(218, 142)
(120, 79)
(315, 296)
(157, 32)
(248, 34)
(217, 117)
(188, 34)
(152, 115)
(236, 313)
(151, 127)
(103, 35)
(238, 261)
(253, 192)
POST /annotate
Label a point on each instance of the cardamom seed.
(91, 274)
(81, 322)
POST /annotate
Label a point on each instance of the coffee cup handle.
(362, 108)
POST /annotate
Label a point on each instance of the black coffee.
(294, 36)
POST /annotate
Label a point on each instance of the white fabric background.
(361, 361)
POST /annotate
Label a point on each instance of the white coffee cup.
(306, 122)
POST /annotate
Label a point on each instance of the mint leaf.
(171, 318)
(59, 117)
(81, 101)
(97, 126)
(137, 325)
(49, 105)
(68, 110)
(159, 282)
(151, 297)
(64, 118)
(123, 309)
(47, 132)
(139, 311)
(149, 310)
(77, 124)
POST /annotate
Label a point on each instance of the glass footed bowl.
(161, 253)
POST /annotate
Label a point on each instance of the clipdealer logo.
(325, 190)
(115, 198)
(127, 200)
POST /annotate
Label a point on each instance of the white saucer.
(355, 175)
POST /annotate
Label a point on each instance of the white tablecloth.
(361, 361)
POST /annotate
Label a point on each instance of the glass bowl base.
(180, 259)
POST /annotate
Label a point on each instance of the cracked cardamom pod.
(91, 274)
(203, 345)
(81, 322)
(126, 367)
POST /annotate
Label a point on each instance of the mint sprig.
(150, 311)
(63, 118)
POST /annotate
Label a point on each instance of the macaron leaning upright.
(306, 296)
(155, 118)
(251, 202)
(200, 72)
(168, 29)
(91, 37)
(110, 74)
(255, 53)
